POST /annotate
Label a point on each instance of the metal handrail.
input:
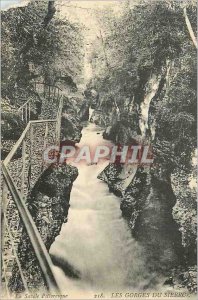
(48, 85)
(20, 140)
(23, 105)
(33, 233)
(58, 124)
(27, 104)
(38, 245)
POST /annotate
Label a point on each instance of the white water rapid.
(96, 240)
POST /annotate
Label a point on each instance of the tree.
(36, 44)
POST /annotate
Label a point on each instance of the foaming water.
(96, 240)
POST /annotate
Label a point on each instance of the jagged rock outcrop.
(97, 118)
(91, 97)
(155, 228)
(147, 198)
(110, 176)
(70, 122)
(84, 111)
(184, 187)
(146, 203)
(48, 203)
(70, 128)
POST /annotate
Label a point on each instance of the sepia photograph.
(99, 149)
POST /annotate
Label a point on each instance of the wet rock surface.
(147, 204)
(69, 270)
(156, 229)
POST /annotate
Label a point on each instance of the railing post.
(26, 113)
(46, 134)
(58, 122)
(49, 91)
(23, 169)
(22, 114)
(5, 276)
(31, 139)
(29, 111)
(30, 157)
(4, 196)
(4, 203)
(45, 143)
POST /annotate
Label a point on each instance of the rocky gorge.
(108, 225)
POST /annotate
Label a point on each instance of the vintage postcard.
(98, 131)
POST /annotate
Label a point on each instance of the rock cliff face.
(147, 195)
(70, 122)
(84, 111)
(156, 229)
(48, 204)
(146, 203)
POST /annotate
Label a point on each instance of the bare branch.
(50, 13)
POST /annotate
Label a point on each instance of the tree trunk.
(50, 13)
(190, 30)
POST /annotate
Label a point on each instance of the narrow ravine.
(96, 241)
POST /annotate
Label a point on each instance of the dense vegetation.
(152, 39)
(37, 46)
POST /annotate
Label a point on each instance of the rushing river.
(96, 240)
